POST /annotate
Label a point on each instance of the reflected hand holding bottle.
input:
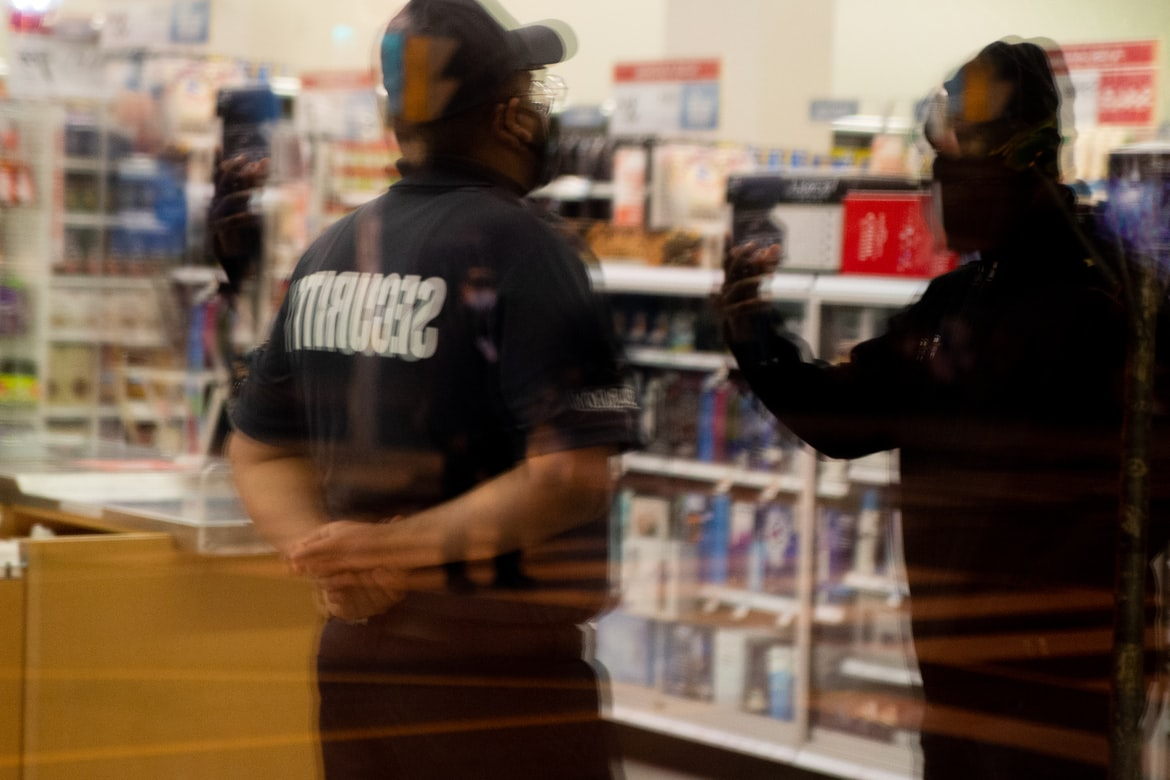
(234, 229)
(745, 268)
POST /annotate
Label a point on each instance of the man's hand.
(357, 595)
(336, 551)
(745, 267)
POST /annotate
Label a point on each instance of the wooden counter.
(130, 659)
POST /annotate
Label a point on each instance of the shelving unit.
(844, 627)
(93, 245)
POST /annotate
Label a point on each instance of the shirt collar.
(446, 171)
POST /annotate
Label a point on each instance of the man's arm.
(843, 411)
(279, 489)
(541, 497)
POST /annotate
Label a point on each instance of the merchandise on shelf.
(628, 648)
(888, 233)
(687, 661)
(802, 212)
(686, 415)
(772, 557)
(763, 580)
(769, 678)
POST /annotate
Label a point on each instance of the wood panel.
(144, 662)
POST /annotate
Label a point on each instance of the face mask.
(546, 152)
(981, 201)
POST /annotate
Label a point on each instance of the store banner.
(666, 98)
(1115, 83)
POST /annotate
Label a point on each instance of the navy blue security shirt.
(434, 338)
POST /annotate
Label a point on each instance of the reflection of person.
(441, 386)
(1003, 389)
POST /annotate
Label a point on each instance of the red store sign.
(1115, 83)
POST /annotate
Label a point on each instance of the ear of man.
(512, 125)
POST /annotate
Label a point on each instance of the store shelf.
(881, 584)
(91, 164)
(867, 290)
(714, 473)
(873, 671)
(79, 336)
(752, 735)
(785, 608)
(101, 282)
(616, 276)
(704, 722)
(82, 219)
(871, 475)
(826, 607)
(569, 189)
(726, 475)
(686, 361)
(70, 411)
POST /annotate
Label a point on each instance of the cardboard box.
(889, 233)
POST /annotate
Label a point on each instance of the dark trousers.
(396, 707)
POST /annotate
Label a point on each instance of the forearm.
(279, 490)
(538, 499)
(841, 411)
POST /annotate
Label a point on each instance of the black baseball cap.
(442, 57)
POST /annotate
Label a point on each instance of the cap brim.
(544, 43)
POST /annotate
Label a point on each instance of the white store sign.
(667, 98)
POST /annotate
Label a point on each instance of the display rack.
(843, 658)
(94, 334)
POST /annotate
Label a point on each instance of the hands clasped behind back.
(354, 566)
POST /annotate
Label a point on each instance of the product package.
(687, 661)
(628, 647)
(769, 678)
(802, 212)
(835, 550)
(889, 233)
(772, 560)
